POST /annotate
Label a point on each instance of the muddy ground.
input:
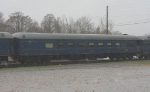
(93, 77)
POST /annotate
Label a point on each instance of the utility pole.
(107, 19)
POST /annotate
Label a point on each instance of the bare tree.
(34, 27)
(71, 26)
(48, 23)
(64, 24)
(110, 25)
(84, 25)
(57, 25)
(2, 24)
(17, 22)
(97, 30)
(1, 18)
(67, 26)
(116, 33)
(105, 32)
(102, 26)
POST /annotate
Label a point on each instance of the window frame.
(100, 44)
(117, 44)
(109, 45)
(81, 44)
(49, 45)
(91, 44)
(71, 45)
(60, 45)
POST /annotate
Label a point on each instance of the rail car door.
(139, 48)
(11, 47)
(16, 47)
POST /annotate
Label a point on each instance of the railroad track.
(62, 62)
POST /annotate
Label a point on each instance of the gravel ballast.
(92, 77)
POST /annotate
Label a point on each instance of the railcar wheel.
(140, 57)
(34, 63)
(38, 62)
(28, 63)
(22, 62)
(146, 57)
(130, 57)
(0, 61)
(117, 58)
(111, 58)
(124, 58)
(45, 62)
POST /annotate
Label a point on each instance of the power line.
(130, 7)
(133, 4)
(133, 23)
(133, 10)
(136, 10)
(130, 15)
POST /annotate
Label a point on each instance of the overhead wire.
(133, 23)
(129, 15)
(133, 11)
(133, 4)
(131, 7)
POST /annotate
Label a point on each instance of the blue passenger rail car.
(46, 46)
(6, 46)
(145, 47)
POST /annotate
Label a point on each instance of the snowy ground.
(96, 77)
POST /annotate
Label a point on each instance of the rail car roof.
(146, 37)
(72, 36)
(5, 35)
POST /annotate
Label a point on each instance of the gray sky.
(129, 16)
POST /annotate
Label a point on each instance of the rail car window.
(100, 44)
(71, 45)
(60, 45)
(131, 45)
(91, 44)
(117, 44)
(82, 44)
(128, 44)
(109, 45)
(49, 45)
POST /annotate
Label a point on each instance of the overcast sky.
(129, 16)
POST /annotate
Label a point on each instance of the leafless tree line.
(18, 22)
